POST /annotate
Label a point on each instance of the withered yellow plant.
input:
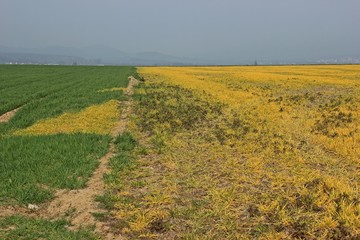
(245, 153)
(98, 119)
(111, 90)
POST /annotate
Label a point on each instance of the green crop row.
(33, 167)
(58, 89)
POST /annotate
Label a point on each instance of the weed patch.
(125, 144)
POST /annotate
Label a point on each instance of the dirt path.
(79, 205)
(8, 115)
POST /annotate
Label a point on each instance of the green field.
(29, 228)
(48, 91)
(34, 165)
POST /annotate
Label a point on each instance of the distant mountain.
(155, 58)
(32, 58)
(13, 50)
(106, 53)
(97, 54)
(340, 60)
(56, 55)
(100, 54)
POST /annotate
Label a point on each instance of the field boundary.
(80, 204)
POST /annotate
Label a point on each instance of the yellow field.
(245, 152)
(290, 99)
(98, 119)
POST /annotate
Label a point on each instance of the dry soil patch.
(8, 115)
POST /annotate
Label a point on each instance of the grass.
(18, 227)
(66, 89)
(225, 153)
(99, 119)
(23, 84)
(119, 164)
(56, 138)
(264, 153)
(34, 166)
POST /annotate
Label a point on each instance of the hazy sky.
(227, 29)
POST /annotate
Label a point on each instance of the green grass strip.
(32, 166)
(21, 228)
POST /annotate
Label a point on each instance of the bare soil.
(6, 211)
(7, 116)
(79, 205)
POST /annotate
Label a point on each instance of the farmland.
(247, 152)
(60, 131)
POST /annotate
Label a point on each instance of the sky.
(207, 29)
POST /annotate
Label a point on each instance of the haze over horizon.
(224, 31)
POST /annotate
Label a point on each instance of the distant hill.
(340, 60)
(32, 58)
(97, 54)
(100, 54)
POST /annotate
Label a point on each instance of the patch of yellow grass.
(284, 100)
(111, 90)
(98, 119)
(280, 160)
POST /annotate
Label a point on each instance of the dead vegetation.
(264, 166)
